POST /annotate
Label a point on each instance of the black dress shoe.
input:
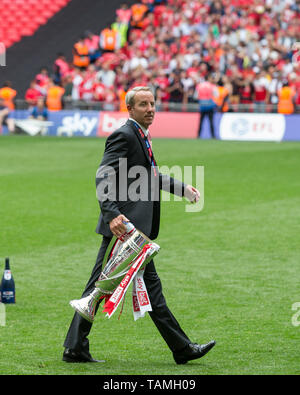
(78, 356)
(192, 351)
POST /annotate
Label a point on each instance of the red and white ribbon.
(112, 304)
(140, 299)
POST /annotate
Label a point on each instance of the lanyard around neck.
(149, 149)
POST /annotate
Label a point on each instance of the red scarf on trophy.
(140, 298)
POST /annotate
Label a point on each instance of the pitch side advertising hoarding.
(229, 126)
(166, 124)
(252, 127)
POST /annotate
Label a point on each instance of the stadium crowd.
(249, 49)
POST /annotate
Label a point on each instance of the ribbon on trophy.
(133, 274)
(140, 299)
(124, 263)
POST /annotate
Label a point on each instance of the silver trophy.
(120, 256)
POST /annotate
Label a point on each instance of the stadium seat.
(23, 17)
(26, 30)
(12, 35)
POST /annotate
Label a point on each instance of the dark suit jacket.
(123, 188)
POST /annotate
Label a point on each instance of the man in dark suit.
(128, 169)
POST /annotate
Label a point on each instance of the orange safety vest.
(138, 12)
(54, 95)
(222, 93)
(285, 103)
(8, 94)
(109, 39)
(121, 95)
(82, 59)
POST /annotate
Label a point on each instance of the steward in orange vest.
(286, 97)
(81, 54)
(110, 40)
(222, 99)
(8, 94)
(122, 102)
(139, 11)
(54, 97)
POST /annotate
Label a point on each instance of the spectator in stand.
(77, 80)
(99, 90)
(60, 68)
(40, 111)
(8, 94)
(175, 88)
(295, 84)
(124, 13)
(86, 87)
(275, 83)
(236, 79)
(246, 91)
(137, 60)
(206, 95)
(111, 99)
(162, 83)
(150, 4)
(261, 91)
(68, 86)
(5, 118)
(188, 86)
(32, 94)
(232, 39)
(296, 54)
(54, 100)
(80, 51)
(189, 97)
(106, 75)
(92, 42)
(42, 80)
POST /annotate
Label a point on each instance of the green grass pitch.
(229, 273)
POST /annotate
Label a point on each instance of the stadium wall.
(229, 126)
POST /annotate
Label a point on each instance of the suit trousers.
(162, 317)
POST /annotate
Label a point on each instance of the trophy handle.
(129, 228)
(108, 251)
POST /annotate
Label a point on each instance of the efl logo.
(2, 54)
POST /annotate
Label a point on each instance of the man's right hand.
(117, 226)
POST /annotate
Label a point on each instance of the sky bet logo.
(78, 124)
(2, 55)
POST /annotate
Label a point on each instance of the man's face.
(143, 109)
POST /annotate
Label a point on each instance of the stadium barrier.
(70, 104)
(228, 126)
